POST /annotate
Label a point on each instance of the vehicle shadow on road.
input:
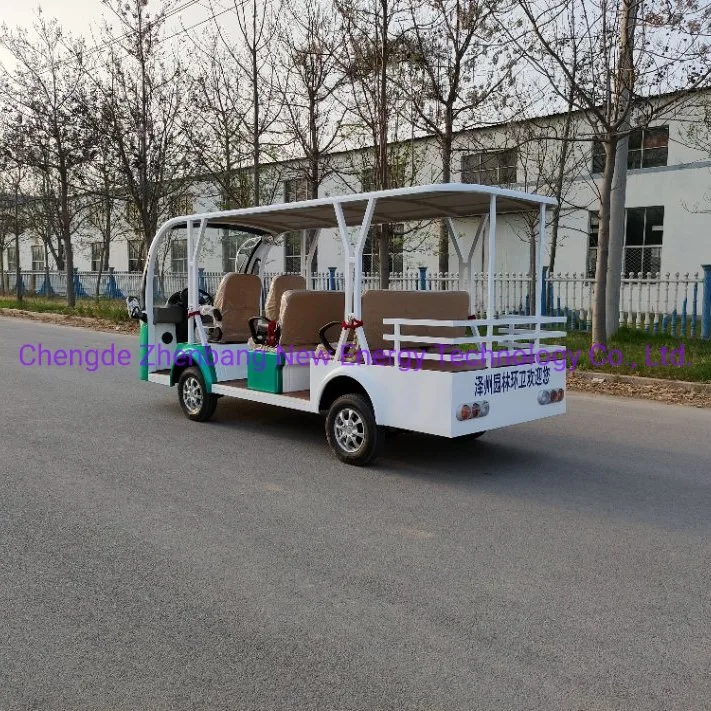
(622, 480)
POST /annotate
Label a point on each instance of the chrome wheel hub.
(192, 395)
(349, 430)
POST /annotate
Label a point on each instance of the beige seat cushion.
(238, 298)
(303, 313)
(379, 304)
(280, 284)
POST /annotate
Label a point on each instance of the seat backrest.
(378, 304)
(280, 284)
(238, 298)
(303, 313)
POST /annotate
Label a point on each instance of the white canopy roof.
(424, 202)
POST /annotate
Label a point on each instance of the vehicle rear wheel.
(351, 430)
(197, 404)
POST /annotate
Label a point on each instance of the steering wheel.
(181, 297)
(322, 336)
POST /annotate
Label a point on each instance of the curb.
(681, 385)
(88, 322)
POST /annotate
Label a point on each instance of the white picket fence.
(669, 303)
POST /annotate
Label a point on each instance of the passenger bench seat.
(379, 304)
(238, 298)
(303, 313)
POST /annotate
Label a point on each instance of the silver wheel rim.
(349, 429)
(192, 395)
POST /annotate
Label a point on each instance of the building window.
(292, 253)
(96, 215)
(593, 231)
(179, 256)
(11, 258)
(180, 205)
(648, 148)
(296, 189)
(490, 167)
(133, 215)
(37, 258)
(230, 245)
(644, 231)
(397, 176)
(371, 255)
(643, 240)
(367, 180)
(136, 255)
(96, 256)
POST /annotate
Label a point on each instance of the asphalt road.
(147, 562)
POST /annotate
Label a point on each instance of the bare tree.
(13, 213)
(47, 88)
(252, 54)
(106, 202)
(550, 162)
(219, 143)
(461, 69)
(627, 59)
(374, 55)
(139, 110)
(312, 121)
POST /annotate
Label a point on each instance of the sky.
(80, 17)
(76, 15)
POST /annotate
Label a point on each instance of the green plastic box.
(264, 371)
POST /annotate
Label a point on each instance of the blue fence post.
(694, 313)
(423, 279)
(20, 287)
(46, 288)
(683, 317)
(112, 290)
(706, 303)
(79, 289)
(332, 278)
(544, 292)
(202, 285)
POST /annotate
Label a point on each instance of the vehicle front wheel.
(196, 402)
(351, 430)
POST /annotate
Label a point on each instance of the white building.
(668, 203)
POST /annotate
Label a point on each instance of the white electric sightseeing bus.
(371, 360)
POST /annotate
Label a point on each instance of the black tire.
(473, 435)
(197, 404)
(351, 430)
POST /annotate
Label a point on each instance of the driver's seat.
(238, 298)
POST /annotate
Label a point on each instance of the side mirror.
(133, 306)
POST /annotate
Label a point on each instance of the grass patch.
(638, 353)
(109, 309)
(641, 354)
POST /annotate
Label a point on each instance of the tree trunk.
(532, 271)
(46, 269)
(619, 190)
(69, 271)
(255, 109)
(599, 333)
(443, 247)
(618, 193)
(18, 270)
(384, 256)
